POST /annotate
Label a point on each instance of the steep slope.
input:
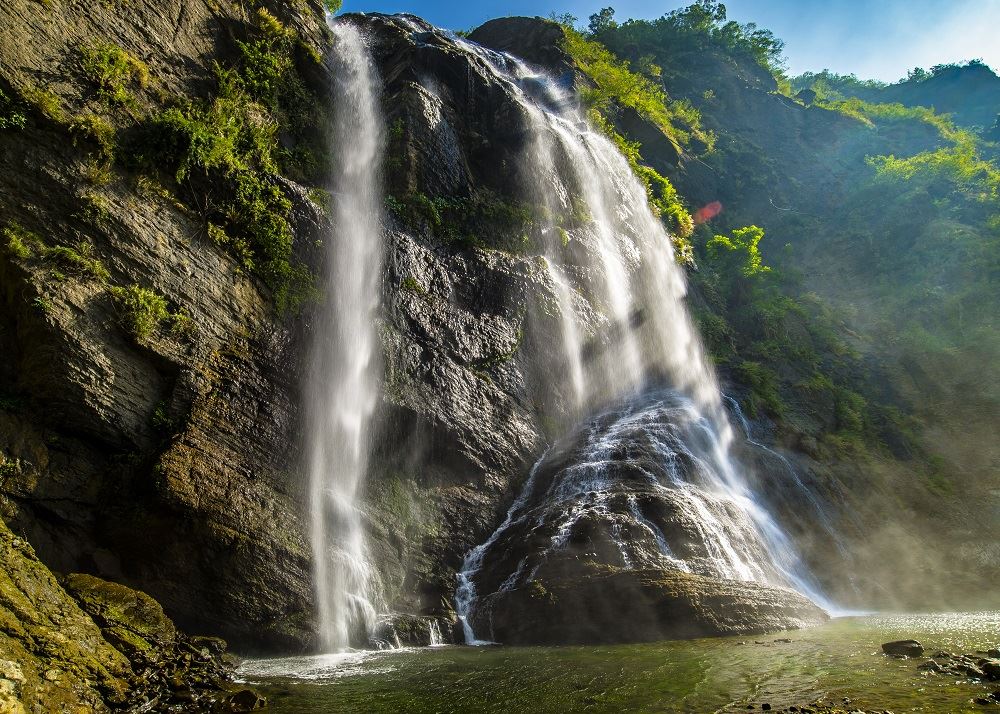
(871, 380)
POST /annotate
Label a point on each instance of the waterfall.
(343, 388)
(619, 254)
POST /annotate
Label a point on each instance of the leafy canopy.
(699, 27)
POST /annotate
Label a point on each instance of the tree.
(566, 19)
(603, 20)
(739, 252)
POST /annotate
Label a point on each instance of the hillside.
(969, 93)
(876, 325)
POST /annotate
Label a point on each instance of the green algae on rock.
(52, 655)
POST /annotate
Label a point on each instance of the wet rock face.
(171, 464)
(638, 488)
(589, 606)
(466, 332)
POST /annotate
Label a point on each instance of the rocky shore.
(81, 643)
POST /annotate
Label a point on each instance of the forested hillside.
(849, 287)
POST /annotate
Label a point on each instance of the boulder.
(991, 669)
(903, 648)
(600, 604)
(131, 620)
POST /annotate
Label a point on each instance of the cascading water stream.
(647, 337)
(344, 385)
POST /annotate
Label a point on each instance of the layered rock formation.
(85, 644)
(149, 459)
(593, 604)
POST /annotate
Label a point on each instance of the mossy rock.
(131, 620)
(52, 655)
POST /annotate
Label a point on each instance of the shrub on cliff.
(112, 70)
(228, 146)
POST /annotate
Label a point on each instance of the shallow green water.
(840, 659)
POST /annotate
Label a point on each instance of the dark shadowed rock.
(903, 648)
(600, 605)
(245, 700)
(534, 39)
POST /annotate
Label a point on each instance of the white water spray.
(343, 390)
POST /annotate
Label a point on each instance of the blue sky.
(878, 39)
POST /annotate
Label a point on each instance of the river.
(830, 662)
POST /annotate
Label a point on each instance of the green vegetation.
(47, 104)
(918, 224)
(142, 310)
(79, 260)
(268, 75)
(700, 28)
(832, 86)
(112, 72)
(97, 131)
(872, 114)
(94, 210)
(225, 147)
(11, 114)
(618, 88)
(230, 143)
(411, 284)
(9, 468)
(785, 347)
(19, 241)
(738, 253)
(663, 197)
